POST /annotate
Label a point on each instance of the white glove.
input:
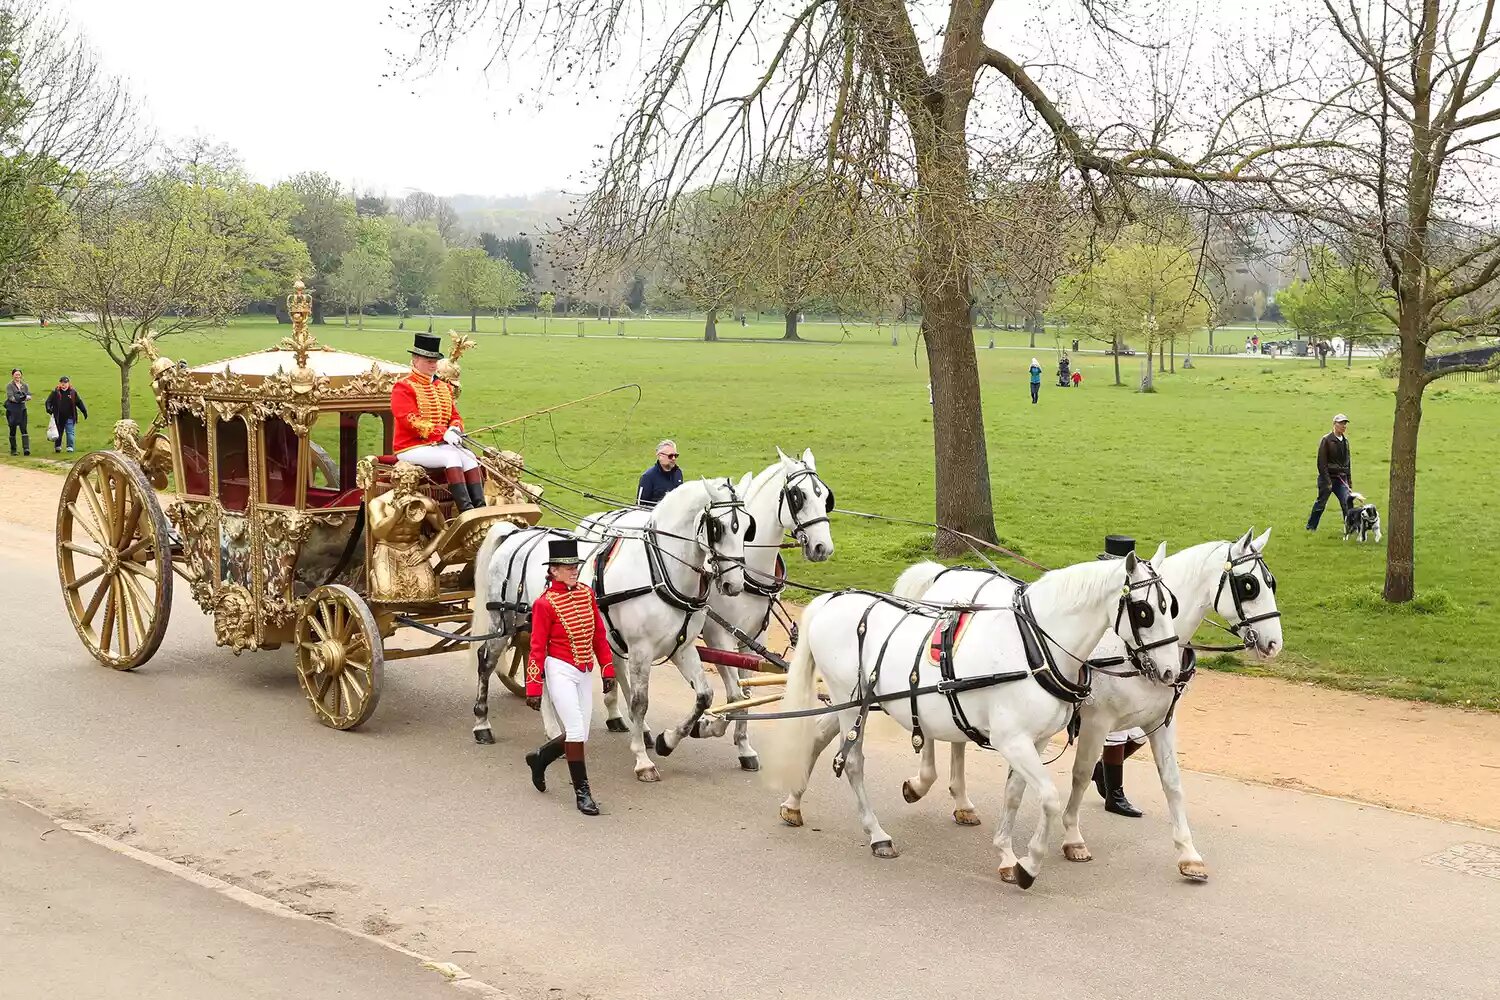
(454, 437)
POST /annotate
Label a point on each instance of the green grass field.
(1214, 451)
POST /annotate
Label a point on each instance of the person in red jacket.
(429, 431)
(567, 639)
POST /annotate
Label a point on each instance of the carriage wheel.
(340, 659)
(512, 673)
(114, 559)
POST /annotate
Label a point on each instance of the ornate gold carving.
(448, 369)
(365, 471)
(196, 522)
(401, 568)
(234, 618)
(152, 452)
(504, 486)
(282, 534)
(376, 382)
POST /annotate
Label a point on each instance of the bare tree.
(62, 119)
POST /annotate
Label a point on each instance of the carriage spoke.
(134, 508)
(140, 601)
(322, 684)
(88, 527)
(110, 608)
(135, 547)
(119, 499)
(93, 606)
(140, 570)
(102, 503)
(83, 550)
(317, 626)
(128, 618)
(87, 578)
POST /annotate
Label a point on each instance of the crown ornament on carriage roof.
(299, 308)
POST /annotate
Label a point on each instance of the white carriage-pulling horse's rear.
(651, 571)
(1006, 674)
(1229, 578)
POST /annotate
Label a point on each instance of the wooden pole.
(735, 706)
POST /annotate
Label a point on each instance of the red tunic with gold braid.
(424, 410)
(566, 623)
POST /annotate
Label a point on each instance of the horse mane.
(678, 506)
(1201, 555)
(1079, 585)
(763, 477)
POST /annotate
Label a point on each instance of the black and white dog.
(1362, 519)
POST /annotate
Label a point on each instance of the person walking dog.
(1334, 474)
(1036, 380)
(65, 405)
(567, 640)
(662, 478)
(17, 395)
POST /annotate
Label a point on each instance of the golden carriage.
(280, 478)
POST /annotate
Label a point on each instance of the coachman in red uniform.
(567, 640)
(429, 431)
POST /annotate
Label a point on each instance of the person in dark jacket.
(65, 405)
(662, 478)
(1334, 474)
(17, 395)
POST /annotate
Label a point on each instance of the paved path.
(80, 920)
(691, 888)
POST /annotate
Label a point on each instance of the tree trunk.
(346, 315)
(1349, 352)
(1117, 360)
(1174, 356)
(474, 320)
(1210, 340)
(711, 326)
(791, 325)
(124, 388)
(1400, 551)
(361, 322)
(401, 316)
(1161, 356)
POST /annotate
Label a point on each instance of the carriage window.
(281, 462)
(192, 443)
(340, 440)
(233, 453)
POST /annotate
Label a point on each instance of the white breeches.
(440, 456)
(1136, 735)
(567, 701)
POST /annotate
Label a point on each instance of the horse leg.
(829, 726)
(912, 789)
(1085, 755)
(637, 698)
(1025, 758)
(489, 654)
(964, 813)
(854, 769)
(749, 759)
(691, 669)
(612, 720)
(1164, 749)
(1015, 792)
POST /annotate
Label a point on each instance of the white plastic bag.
(52, 434)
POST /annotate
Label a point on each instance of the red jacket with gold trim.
(424, 410)
(566, 623)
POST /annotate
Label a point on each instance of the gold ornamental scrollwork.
(197, 524)
(281, 536)
(234, 618)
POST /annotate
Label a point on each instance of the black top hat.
(563, 552)
(1118, 546)
(426, 346)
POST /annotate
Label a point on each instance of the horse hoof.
(749, 763)
(966, 817)
(790, 816)
(909, 793)
(1024, 878)
(616, 725)
(1077, 852)
(662, 750)
(484, 737)
(1193, 871)
(884, 849)
(1007, 873)
(647, 774)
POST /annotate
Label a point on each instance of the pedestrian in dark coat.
(65, 405)
(1334, 473)
(662, 478)
(17, 395)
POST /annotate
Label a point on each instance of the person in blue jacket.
(662, 478)
(1036, 379)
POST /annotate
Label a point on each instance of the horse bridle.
(794, 497)
(1245, 587)
(1142, 615)
(709, 525)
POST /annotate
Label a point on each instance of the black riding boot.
(539, 758)
(476, 494)
(1114, 792)
(459, 491)
(580, 773)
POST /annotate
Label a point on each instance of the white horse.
(1230, 578)
(647, 568)
(862, 643)
(788, 498)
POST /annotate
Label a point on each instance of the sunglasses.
(667, 454)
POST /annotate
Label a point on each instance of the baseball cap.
(1339, 418)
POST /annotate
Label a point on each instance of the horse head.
(1246, 595)
(724, 526)
(1145, 619)
(804, 506)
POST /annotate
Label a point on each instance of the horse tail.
(916, 580)
(789, 750)
(482, 621)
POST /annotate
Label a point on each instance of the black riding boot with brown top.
(579, 772)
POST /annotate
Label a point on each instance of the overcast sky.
(237, 72)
